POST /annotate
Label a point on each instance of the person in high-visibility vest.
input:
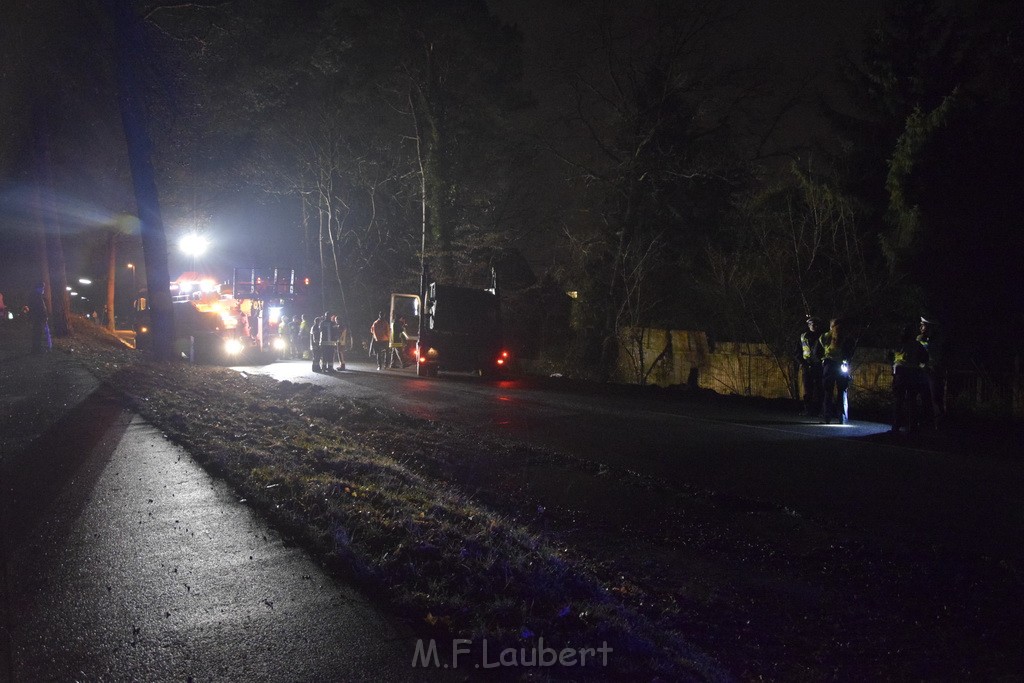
(909, 381)
(837, 347)
(305, 325)
(330, 331)
(809, 360)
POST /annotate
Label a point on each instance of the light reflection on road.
(471, 401)
(742, 448)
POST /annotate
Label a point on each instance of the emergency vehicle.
(264, 294)
(460, 329)
(215, 322)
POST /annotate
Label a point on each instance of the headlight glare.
(233, 347)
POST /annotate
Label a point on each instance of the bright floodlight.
(193, 244)
(84, 281)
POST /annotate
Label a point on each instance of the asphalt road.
(927, 492)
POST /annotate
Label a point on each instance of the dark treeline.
(623, 157)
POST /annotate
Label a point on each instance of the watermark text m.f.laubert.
(463, 653)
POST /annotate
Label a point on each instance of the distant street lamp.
(193, 245)
(135, 290)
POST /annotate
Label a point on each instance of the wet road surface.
(744, 451)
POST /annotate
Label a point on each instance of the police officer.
(909, 381)
(836, 351)
(810, 367)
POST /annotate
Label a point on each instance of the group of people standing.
(325, 335)
(825, 358)
(328, 337)
(327, 340)
(293, 330)
(825, 369)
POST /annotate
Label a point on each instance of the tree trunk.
(60, 311)
(336, 296)
(54, 274)
(321, 209)
(44, 258)
(130, 47)
(111, 274)
(426, 101)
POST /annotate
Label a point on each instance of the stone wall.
(674, 357)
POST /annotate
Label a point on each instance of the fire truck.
(456, 328)
(263, 295)
(203, 328)
(215, 322)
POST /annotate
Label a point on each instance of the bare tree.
(52, 258)
(796, 250)
(651, 149)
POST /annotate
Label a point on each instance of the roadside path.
(122, 559)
